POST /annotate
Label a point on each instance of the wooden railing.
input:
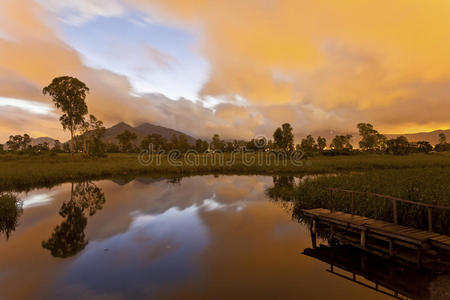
(394, 200)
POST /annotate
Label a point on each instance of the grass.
(22, 172)
(422, 184)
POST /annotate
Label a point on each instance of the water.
(201, 237)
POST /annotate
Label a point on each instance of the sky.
(236, 68)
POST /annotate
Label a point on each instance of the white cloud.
(77, 12)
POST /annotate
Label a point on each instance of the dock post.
(394, 209)
(313, 230)
(419, 257)
(391, 248)
(363, 238)
(353, 203)
(430, 220)
(331, 201)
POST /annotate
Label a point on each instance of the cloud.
(77, 12)
(365, 58)
(318, 65)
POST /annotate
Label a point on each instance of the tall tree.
(308, 145)
(125, 140)
(283, 137)
(217, 143)
(371, 139)
(398, 146)
(14, 143)
(69, 95)
(321, 143)
(341, 143)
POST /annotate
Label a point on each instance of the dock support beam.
(363, 238)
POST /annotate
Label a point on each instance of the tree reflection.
(283, 187)
(10, 211)
(69, 238)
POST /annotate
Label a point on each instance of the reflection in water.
(10, 211)
(373, 273)
(68, 238)
(381, 275)
(204, 238)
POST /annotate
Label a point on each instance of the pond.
(214, 237)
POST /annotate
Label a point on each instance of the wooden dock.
(388, 240)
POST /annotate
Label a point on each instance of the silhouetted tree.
(10, 211)
(217, 143)
(69, 238)
(201, 146)
(370, 138)
(125, 140)
(308, 145)
(69, 94)
(321, 143)
(342, 143)
(398, 146)
(284, 138)
(424, 146)
(18, 142)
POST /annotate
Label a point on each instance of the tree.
(69, 238)
(321, 143)
(183, 143)
(398, 146)
(14, 143)
(217, 143)
(57, 146)
(283, 137)
(10, 210)
(69, 94)
(371, 140)
(125, 140)
(341, 143)
(308, 145)
(424, 146)
(92, 133)
(157, 141)
(201, 146)
(26, 141)
(18, 142)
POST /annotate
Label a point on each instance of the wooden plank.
(382, 228)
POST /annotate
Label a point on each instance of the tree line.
(87, 135)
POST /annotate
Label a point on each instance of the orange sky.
(320, 65)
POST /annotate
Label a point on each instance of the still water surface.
(199, 237)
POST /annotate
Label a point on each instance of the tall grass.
(427, 185)
(21, 172)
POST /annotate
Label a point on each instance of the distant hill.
(432, 137)
(142, 131)
(42, 140)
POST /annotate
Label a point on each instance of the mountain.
(42, 140)
(432, 137)
(142, 131)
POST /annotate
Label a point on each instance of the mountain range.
(146, 129)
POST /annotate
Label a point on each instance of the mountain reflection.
(69, 238)
(10, 211)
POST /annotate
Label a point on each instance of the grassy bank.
(21, 172)
(427, 185)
